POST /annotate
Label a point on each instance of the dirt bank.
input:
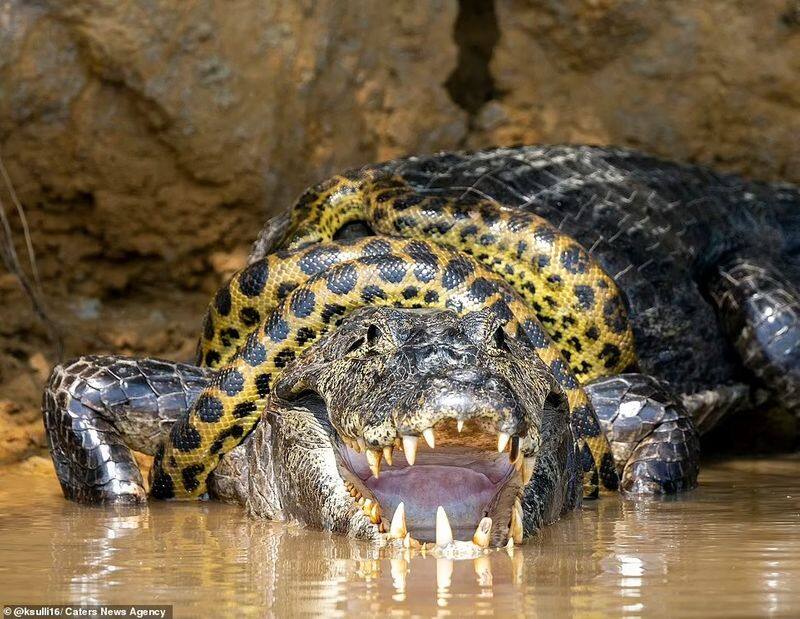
(148, 141)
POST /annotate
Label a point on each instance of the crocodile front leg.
(655, 444)
(98, 408)
(759, 308)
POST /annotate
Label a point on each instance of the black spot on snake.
(184, 436)
(562, 374)
(608, 472)
(231, 381)
(228, 336)
(404, 202)
(392, 269)
(244, 409)
(209, 409)
(585, 296)
(162, 486)
(575, 260)
(377, 248)
(249, 316)
(254, 278)
(456, 272)
(212, 358)
(276, 328)
(614, 314)
(342, 279)
(403, 223)
(254, 352)
(219, 442)
(208, 328)
(284, 289)
(262, 385)
(431, 297)
(611, 354)
(222, 302)
(534, 333)
(409, 292)
(587, 459)
(489, 215)
(481, 289)
(302, 303)
(468, 231)
(427, 264)
(284, 358)
(585, 421)
(372, 292)
(189, 475)
(544, 235)
(305, 334)
(318, 259)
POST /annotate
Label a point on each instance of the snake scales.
(459, 254)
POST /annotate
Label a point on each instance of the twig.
(8, 253)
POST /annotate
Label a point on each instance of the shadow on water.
(730, 548)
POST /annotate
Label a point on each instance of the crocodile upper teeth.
(410, 448)
(374, 461)
(502, 441)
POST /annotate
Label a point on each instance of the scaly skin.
(438, 277)
(675, 244)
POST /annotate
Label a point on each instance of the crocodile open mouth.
(447, 484)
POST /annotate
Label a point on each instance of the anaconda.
(508, 295)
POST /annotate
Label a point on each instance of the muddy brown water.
(730, 548)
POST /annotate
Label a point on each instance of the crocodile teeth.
(374, 461)
(515, 530)
(410, 448)
(444, 534)
(527, 469)
(429, 437)
(514, 452)
(372, 510)
(410, 542)
(481, 537)
(502, 441)
(460, 424)
(397, 530)
(387, 454)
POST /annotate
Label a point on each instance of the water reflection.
(730, 548)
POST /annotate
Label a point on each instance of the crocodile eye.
(499, 339)
(373, 334)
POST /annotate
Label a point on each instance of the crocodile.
(552, 321)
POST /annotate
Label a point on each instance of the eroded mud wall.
(149, 140)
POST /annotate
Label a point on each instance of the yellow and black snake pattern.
(434, 252)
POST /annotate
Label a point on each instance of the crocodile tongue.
(464, 482)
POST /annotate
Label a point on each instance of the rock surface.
(149, 140)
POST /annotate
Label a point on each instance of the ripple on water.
(730, 548)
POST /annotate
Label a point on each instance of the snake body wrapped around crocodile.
(549, 320)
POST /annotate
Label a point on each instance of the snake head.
(467, 401)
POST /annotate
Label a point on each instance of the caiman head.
(453, 417)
